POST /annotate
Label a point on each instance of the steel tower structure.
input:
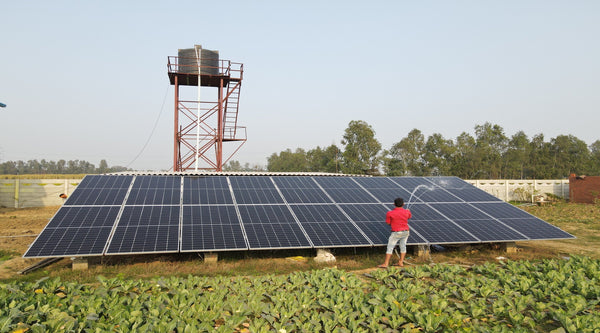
(201, 126)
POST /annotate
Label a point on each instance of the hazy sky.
(88, 79)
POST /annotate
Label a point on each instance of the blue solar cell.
(254, 190)
(157, 181)
(435, 194)
(345, 195)
(65, 242)
(275, 236)
(378, 233)
(206, 190)
(502, 210)
(96, 197)
(265, 214)
(535, 228)
(84, 217)
(458, 211)
(305, 195)
(107, 182)
(423, 212)
(149, 215)
(257, 196)
(288, 182)
(154, 196)
(209, 237)
(490, 230)
(449, 182)
(441, 232)
(75, 231)
(146, 229)
(319, 213)
(410, 183)
(376, 182)
(336, 182)
(386, 195)
(197, 215)
(144, 239)
(212, 182)
(324, 223)
(327, 234)
(374, 213)
(473, 195)
(245, 182)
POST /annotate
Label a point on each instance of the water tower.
(207, 94)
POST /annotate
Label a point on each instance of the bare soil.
(18, 229)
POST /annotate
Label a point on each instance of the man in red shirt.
(398, 220)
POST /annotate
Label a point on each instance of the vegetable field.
(560, 295)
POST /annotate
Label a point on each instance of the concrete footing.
(422, 251)
(211, 257)
(510, 247)
(79, 264)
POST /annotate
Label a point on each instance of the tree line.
(56, 167)
(489, 154)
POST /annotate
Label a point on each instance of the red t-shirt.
(398, 219)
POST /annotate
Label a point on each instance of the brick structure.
(584, 189)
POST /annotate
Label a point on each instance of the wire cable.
(153, 129)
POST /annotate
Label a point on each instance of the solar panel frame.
(62, 238)
(138, 225)
(234, 212)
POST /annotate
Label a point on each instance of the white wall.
(22, 193)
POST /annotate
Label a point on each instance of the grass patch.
(6, 255)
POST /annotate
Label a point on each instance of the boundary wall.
(523, 189)
(24, 193)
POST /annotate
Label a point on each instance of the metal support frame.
(202, 126)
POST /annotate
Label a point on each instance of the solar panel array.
(134, 214)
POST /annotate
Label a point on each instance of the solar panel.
(130, 214)
(254, 190)
(146, 229)
(155, 190)
(75, 231)
(211, 228)
(206, 190)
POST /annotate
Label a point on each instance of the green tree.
(464, 159)
(491, 145)
(408, 155)
(103, 167)
(438, 154)
(324, 160)
(516, 157)
(232, 165)
(570, 155)
(361, 149)
(595, 158)
(288, 161)
(393, 166)
(540, 158)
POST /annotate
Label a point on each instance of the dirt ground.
(18, 228)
